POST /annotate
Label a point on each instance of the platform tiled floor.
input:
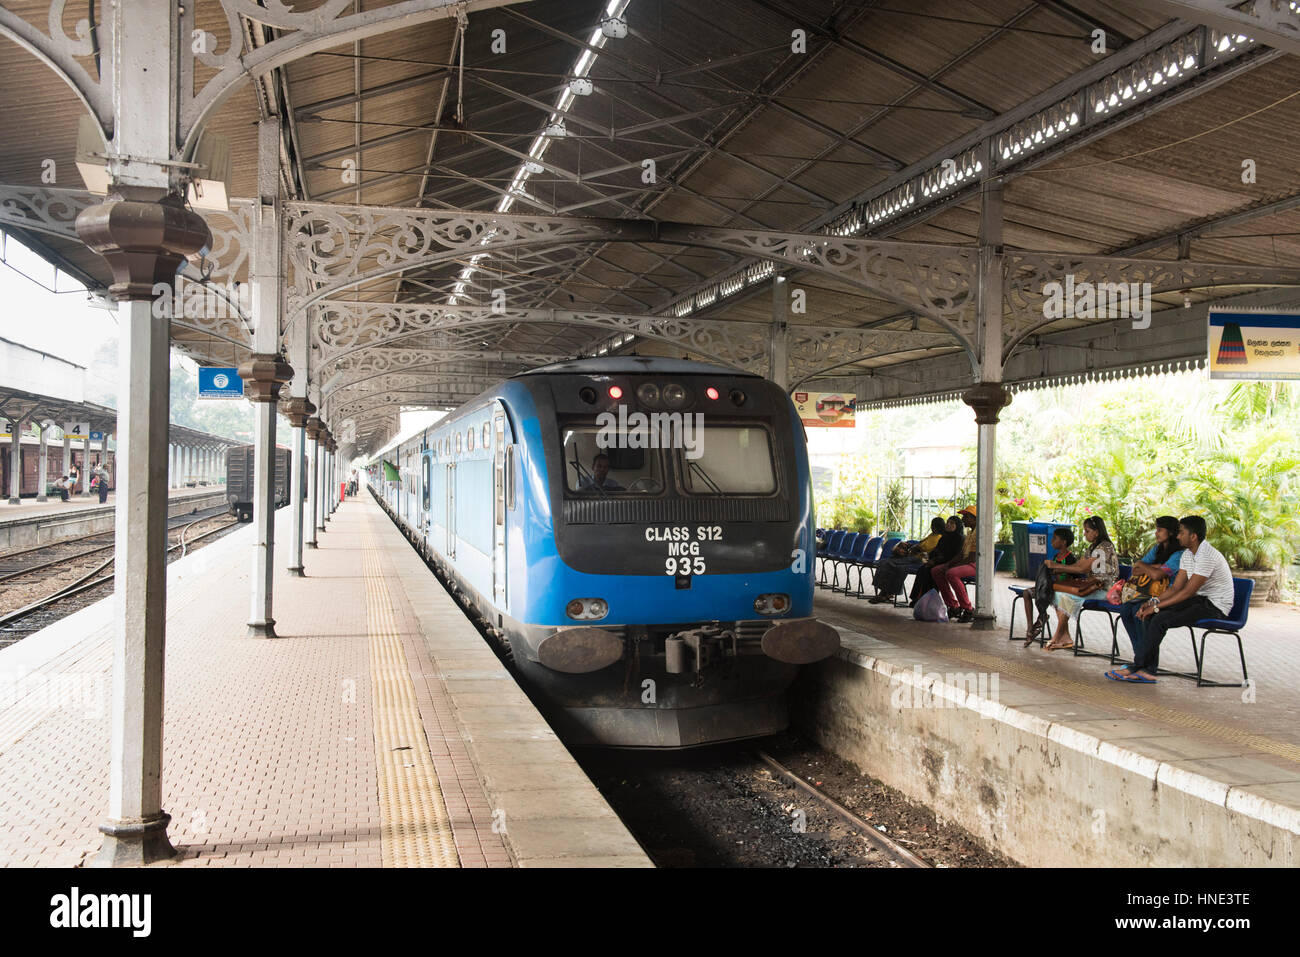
(270, 745)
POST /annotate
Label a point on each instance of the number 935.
(684, 565)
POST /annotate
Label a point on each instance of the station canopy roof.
(1177, 143)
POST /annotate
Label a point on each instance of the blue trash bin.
(1040, 543)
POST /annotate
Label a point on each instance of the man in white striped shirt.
(1202, 589)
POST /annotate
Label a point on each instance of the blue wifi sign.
(219, 383)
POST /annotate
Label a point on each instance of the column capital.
(313, 428)
(144, 234)
(987, 399)
(263, 377)
(298, 410)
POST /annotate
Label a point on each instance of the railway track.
(782, 802)
(889, 847)
(89, 585)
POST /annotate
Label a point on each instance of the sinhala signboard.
(825, 409)
(1254, 345)
(220, 383)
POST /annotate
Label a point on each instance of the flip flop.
(1115, 675)
(1130, 678)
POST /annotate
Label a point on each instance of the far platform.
(37, 523)
(378, 729)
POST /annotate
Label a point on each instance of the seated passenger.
(948, 577)
(1203, 588)
(1062, 539)
(905, 560)
(1099, 563)
(63, 487)
(599, 477)
(1161, 564)
(950, 543)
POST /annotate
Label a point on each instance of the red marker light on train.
(615, 392)
(711, 392)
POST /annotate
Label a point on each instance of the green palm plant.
(1248, 498)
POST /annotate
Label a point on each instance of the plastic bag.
(931, 607)
(1116, 592)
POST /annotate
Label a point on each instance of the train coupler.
(698, 648)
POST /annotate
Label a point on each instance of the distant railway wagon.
(29, 450)
(657, 594)
(239, 480)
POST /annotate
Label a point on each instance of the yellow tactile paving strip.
(1116, 699)
(416, 829)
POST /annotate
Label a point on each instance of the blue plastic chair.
(1242, 589)
(853, 559)
(832, 545)
(886, 550)
(1113, 613)
(844, 550)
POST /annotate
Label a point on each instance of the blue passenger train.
(637, 533)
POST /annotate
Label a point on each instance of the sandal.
(1035, 632)
(1058, 646)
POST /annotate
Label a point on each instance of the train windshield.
(729, 460)
(598, 463)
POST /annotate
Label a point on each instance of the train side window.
(427, 480)
(458, 443)
(469, 439)
(487, 435)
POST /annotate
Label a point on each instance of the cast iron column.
(144, 233)
(263, 376)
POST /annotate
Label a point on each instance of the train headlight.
(772, 604)
(648, 394)
(587, 609)
(674, 395)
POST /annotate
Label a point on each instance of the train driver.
(599, 478)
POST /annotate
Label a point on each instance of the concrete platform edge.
(1099, 803)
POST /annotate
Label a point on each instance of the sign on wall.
(1254, 345)
(832, 410)
(220, 383)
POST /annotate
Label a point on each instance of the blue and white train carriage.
(664, 603)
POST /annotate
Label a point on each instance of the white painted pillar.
(144, 231)
(313, 479)
(778, 365)
(988, 397)
(15, 462)
(85, 464)
(43, 463)
(265, 373)
(298, 409)
(67, 448)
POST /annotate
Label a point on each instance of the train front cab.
(676, 612)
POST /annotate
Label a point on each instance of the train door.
(499, 509)
(451, 510)
(426, 492)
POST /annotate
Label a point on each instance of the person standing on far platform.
(101, 482)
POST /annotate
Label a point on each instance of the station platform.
(39, 523)
(1053, 764)
(378, 730)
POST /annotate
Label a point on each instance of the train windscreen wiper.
(583, 473)
(699, 469)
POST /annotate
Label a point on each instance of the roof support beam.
(1271, 22)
